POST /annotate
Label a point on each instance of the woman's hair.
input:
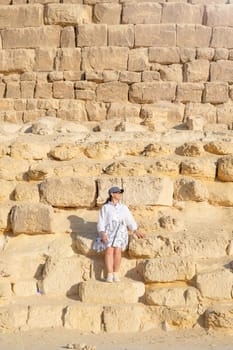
(108, 199)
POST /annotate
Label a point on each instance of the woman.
(114, 220)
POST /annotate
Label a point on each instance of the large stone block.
(26, 150)
(121, 35)
(96, 292)
(66, 14)
(215, 284)
(68, 37)
(12, 316)
(7, 189)
(141, 12)
(46, 36)
(220, 193)
(123, 110)
(138, 60)
(27, 192)
(188, 189)
(112, 92)
(182, 13)
(197, 71)
(16, 60)
(69, 192)
(151, 190)
(92, 35)
(219, 317)
(45, 315)
(163, 35)
(191, 35)
(225, 114)
(113, 58)
(225, 169)
(84, 317)
(168, 269)
(164, 55)
(31, 219)
(222, 37)
(28, 15)
(25, 288)
(216, 92)
(109, 13)
(11, 169)
(219, 147)
(219, 15)
(63, 89)
(150, 92)
(221, 71)
(189, 92)
(206, 110)
(173, 72)
(204, 168)
(44, 59)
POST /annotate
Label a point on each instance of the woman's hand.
(139, 234)
(104, 237)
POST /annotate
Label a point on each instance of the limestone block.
(113, 58)
(222, 37)
(205, 53)
(189, 92)
(69, 192)
(112, 92)
(5, 208)
(220, 193)
(63, 89)
(27, 15)
(219, 317)
(65, 151)
(26, 192)
(68, 59)
(173, 72)
(31, 218)
(221, 71)
(123, 110)
(138, 60)
(73, 110)
(221, 54)
(150, 92)
(115, 318)
(2, 89)
(173, 297)
(61, 276)
(197, 71)
(206, 110)
(210, 2)
(13, 90)
(96, 111)
(219, 147)
(151, 190)
(150, 76)
(7, 190)
(43, 90)
(182, 13)
(96, 77)
(193, 35)
(161, 35)
(11, 169)
(188, 189)
(67, 14)
(204, 168)
(192, 149)
(164, 55)
(225, 169)
(216, 92)
(168, 269)
(36, 151)
(123, 168)
(73, 75)
(83, 317)
(45, 36)
(44, 59)
(187, 54)
(152, 246)
(219, 15)
(25, 288)
(164, 166)
(68, 37)
(141, 12)
(130, 77)
(20, 60)
(215, 284)
(224, 114)
(109, 13)
(92, 35)
(97, 292)
(173, 112)
(5, 290)
(27, 89)
(101, 150)
(13, 316)
(121, 35)
(110, 75)
(45, 315)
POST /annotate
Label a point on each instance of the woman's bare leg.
(109, 259)
(116, 259)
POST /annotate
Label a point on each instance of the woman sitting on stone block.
(114, 221)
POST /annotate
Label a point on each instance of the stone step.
(219, 316)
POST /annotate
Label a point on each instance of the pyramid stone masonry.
(136, 94)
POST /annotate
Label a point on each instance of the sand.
(57, 339)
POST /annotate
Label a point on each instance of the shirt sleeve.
(130, 222)
(101, 224)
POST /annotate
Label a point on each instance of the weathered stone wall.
(97, 54)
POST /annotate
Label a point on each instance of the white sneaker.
(109, 278)
(116, 278)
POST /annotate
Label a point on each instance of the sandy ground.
(57, 339)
